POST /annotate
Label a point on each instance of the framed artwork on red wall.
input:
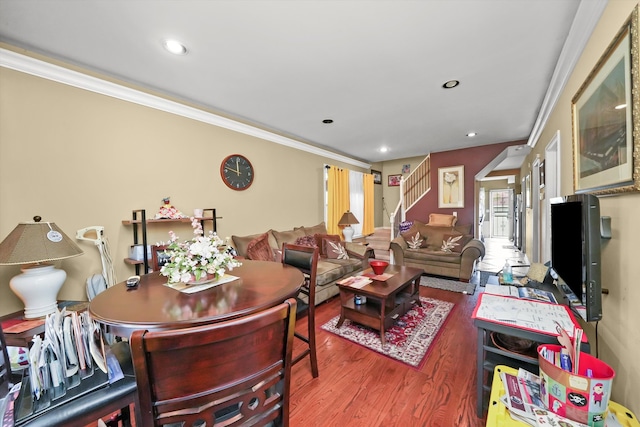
(451, 187)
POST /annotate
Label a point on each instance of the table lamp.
(347, 219)
(33, 244)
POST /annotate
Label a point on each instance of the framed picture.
(602, 113)
(394, 180)
(541, 174)
(406, 168)
(451, 187)
(377, 176)
(158, 257)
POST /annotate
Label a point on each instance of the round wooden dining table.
(153, 305)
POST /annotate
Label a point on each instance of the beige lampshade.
(348, 218)
(35, 242)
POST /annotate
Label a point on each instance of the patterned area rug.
(408, 340)
(448, 285)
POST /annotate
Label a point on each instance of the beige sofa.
(329, 270)
(449, 251)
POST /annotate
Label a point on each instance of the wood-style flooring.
(358, 387)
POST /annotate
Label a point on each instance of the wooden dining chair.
(232, 373)
(305, 258)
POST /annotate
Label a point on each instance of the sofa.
(338, 259)
(439, 247)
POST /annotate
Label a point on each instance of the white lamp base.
(38, 287)
(348, 233)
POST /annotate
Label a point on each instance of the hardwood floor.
(358, 387)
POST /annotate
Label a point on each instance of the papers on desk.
(525, 314)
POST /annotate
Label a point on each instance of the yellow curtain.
(368, 221)
(338, 197)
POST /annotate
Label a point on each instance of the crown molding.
(585, 21)
(45, 70)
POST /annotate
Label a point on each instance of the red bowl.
(378, 266)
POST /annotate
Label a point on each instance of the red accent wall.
(474, 160)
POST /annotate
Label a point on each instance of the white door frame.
(535, 210)
(551, 190)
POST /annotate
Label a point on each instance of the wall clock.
(237, 172)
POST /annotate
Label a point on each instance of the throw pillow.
(335, 250)
(316, 229)
(414, 242)
(442, 220)
(289, 236)
(259, 249)
(454, 242)
(414, 239)
(320, 242)
(307, 241)
(405, 226)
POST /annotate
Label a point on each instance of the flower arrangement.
(198, 259)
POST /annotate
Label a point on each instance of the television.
(575, 250)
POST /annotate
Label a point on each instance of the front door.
(500, 202)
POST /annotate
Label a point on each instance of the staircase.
(379, 242)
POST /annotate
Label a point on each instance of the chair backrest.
(232, 373)
(304, 258)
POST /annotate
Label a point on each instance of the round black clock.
(237, 172)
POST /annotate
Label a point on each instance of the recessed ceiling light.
(383, 149)
(472, 134)
(451, 84)
(175, 47)
(327, 121)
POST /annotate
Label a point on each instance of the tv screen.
(575, 249)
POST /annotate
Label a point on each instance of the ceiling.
(376, 68)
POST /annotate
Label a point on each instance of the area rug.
(408, 341)
(448, 285)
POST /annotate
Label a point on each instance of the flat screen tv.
(575, 249)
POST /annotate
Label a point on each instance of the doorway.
(500, 211)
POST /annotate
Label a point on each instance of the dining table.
(154, 305)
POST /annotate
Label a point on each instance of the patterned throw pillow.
(259, 250)
(307, 241)
(404, 226)
(320, 238)
(454, 242)
(414, 239)
(335, 250)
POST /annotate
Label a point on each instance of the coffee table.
(386, 301)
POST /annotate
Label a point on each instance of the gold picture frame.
(451, 187)
(606, 156)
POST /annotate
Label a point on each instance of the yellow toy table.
(498, 415)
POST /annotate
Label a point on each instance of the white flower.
(197, 258)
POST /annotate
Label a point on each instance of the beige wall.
(618, 332)
(81, 159)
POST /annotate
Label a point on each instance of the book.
(521, 292)
(379, 277)
(355, 281)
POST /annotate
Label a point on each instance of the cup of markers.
(575, 389)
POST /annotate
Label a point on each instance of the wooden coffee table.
(386, 300)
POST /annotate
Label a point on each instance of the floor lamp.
(347, 219)
(33, 245)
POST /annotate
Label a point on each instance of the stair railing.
(413, 187)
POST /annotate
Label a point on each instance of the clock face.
(237, 172)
